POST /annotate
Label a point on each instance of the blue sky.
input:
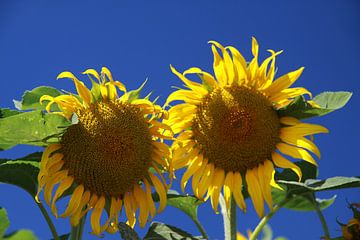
(139, 39)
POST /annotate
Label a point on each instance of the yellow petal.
(303, 129)
(181, 161)
(161, 125)
(239, 65)
(296, 152)
(106, 72)
(253, 65)
(162, 147)
(92, 72)
(149, 198)
(197, 176)
(219, 68)
(228, 186)
(254, 47)
(205, 76)
(228, 63)
(160, 189)
(155, 133)
(50, 103)
(266, 81)
(206, 180)
(75, 218)
(104, 91)
(96, 215)
(283, 82)
(194, 165)
(237, 187)
(111, 91)
(51, 182)
(192, 85)
(301, 142)
(63, 186)
(120, 86)
(239, 236)
(46, 155)
(271, 73)
(289, 121)
(184, 95)
(255, 191)
(282, 162)
(289, 93)
(265, 176)
(140, 197)
(82, 90)
(74, 201)
(130, 213)
(217, 182)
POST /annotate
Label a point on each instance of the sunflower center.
(236, 127)
(109, 150)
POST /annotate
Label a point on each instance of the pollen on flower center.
(236, 127)
(109, 150)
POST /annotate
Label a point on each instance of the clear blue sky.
(139, 39)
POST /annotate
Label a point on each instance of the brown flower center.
(236, 128)
(109, 150)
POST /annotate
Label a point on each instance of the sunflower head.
(109, 155)
(230, 133)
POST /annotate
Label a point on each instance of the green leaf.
(31, 99)
(298, 192)
(4, 222)
(187, 204)
(17, 235)
(332, 100)
(21, 172)
(135, 94)
(161, 231)
(327, 101)
(314, 185)
(127, 232)
(32, 128)
(299, 202)
(21, 235)
(6, 112)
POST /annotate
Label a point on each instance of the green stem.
(48, 220)
(229, 216)
(320, 215)
(233, 228)
(201, 228)
(265, 219)
(77, 231)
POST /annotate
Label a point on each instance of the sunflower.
(229, 131)
(109, 158)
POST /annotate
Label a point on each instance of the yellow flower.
(230, 132)
(107, 156)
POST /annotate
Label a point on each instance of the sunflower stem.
(229, 216)
(320, 215)
(266, 218)
(48, 220)
(77, 231)
(233, 227)
(201, 228)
